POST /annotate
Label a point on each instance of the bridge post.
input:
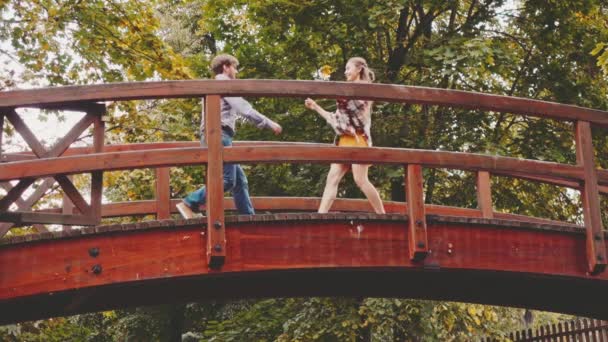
(418, 242)
(67, 206)
(216, 238)
(596, 247)
(99, 126)
(484, 194)
(163, 195)
(1, 134)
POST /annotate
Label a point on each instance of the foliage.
(554, 51)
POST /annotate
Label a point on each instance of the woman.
(351, 122)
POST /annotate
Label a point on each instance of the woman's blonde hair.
(366, 74)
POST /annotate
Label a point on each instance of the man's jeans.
(234, 181)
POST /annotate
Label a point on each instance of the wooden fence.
(581, 330)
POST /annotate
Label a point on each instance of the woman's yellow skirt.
(352, 141)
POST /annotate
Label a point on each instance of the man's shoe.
(185, 210)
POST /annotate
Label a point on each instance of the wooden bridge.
(416, 250)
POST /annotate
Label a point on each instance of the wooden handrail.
(295, 153)
(67, 96)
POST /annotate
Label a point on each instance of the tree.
(532, 50)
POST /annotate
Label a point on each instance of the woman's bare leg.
(336, 172)
(360, 175)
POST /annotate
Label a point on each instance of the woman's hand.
(310, 104)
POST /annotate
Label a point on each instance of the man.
(225, 67)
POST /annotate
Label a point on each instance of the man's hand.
(276, 128)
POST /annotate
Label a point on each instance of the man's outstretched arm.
(246, 110)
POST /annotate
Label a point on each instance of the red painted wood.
(596, 246)
(216, 238)
(22, 156)
(163, 196)
(279, 154)
(484, 194)
(418, 242)
(520, 255)
(311, 204)
(278, 88)
(25, 155)
(28, 217)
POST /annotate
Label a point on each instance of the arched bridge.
(417, 250)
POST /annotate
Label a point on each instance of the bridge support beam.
(596, 246)
(418, 241)
(484, 194)
(90, 213)
(216, 237)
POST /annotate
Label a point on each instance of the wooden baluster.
(67, 207)
(97, 176)
(596, 247)
(592, 330)
(603, 331)
(1, 134)
(561, 330)
(577, 328)
(484, 194)
(543, 333)
(418, 242)
(163, 195)
(216, 238)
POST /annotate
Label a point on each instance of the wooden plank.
(25, 132)
(15, 193)
(593, 331)
(418, 241)
(314, 246)
(83, 150)
(561, 332)
(596, 246)
(28, 217)
(75, 196)
(216, 238)
(280, 154)
(541, 333)
(484, 194)
(8, 186)
(85, 106)
(97, 176)
(40, 228)
(279, 88)
(67, 207)
(28, 203)
(74, 133)
(163, 195)
(1, 135)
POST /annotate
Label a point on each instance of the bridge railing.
(59, 161)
